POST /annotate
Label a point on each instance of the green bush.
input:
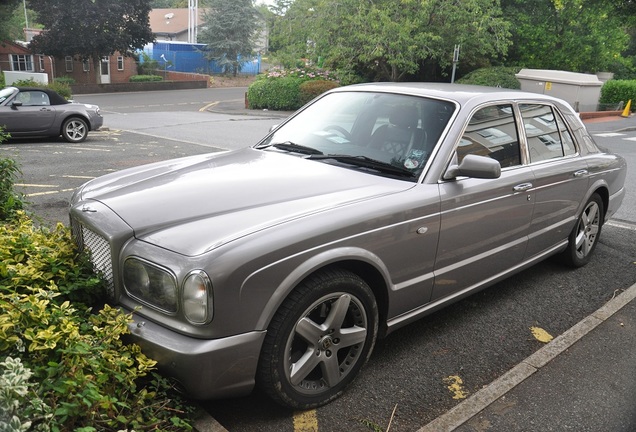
(279, 89)
(281, 94)
(64, 367)
(64, 80)
(498, 76)
(311, 89)
(145, 78)
(2, 82)
(60, 87)
(10, 201)
(616, 91)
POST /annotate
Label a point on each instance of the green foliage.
(311, 89)
(59, 85)
(279, 89)
(65, 80)
(145, 78)
(10, 201)
(229, 32)
(2, 82)
(147, 65)
(277, 94)
(573, 35)
(91, 29)
(615, 91)
(62, 367)
(498, 76)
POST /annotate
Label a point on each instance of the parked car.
(375, 205)
(41, 112)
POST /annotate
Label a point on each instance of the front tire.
(318, 340)
(584, 237)
(75, 130)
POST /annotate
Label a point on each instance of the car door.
(484, 222)
(561, 176)
(34, 115)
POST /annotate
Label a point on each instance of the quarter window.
(548, 137)
(120, 63)
(492, 132)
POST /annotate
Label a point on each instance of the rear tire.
(584, 237)
(318, 340)
(75, 130)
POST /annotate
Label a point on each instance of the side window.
(33, 98)
(548, 138)
(492, 132)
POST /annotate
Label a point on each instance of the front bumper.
(206, 369)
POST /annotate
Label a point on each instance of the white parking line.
(49, 192)
(608, 134)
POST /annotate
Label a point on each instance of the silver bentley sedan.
(279, 265)
(42, 112)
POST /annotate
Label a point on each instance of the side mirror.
(474, 166)
(16, 104)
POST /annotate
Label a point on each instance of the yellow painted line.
(36, 185)
(49, 192)
(306, 421)
(210, 105)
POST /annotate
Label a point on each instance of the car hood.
(196, 204)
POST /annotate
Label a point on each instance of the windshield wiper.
(293, 147)
(367, 162)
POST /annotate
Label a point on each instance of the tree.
(574, 35)
(91, 29)
(8, 10)
(391, 39)
(230, 26)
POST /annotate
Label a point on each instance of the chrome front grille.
(99, 251)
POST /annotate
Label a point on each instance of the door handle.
(581, 173)
(522, 187)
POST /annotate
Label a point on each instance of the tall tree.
(573, 35)
(230, 26)
(91, 29)
(392, 39)
(8, 9)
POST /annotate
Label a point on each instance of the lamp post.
(193, 16)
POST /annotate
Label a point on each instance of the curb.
(466, 410)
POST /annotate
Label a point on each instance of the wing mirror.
(16, 104)
(474, 166)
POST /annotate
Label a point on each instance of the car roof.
(460, 93)
(54, 97)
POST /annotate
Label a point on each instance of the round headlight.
(197, 291)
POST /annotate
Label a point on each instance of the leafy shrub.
(311, 89)
(10, 201)
(616, 91)
(63, 367)
(145, 78)
(65, 80)
(498, 76)
(2, 82)
(146, 65)
(61, 87)
(279, 89)
(277, 94)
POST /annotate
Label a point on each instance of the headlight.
(150, 284)
(197, 300)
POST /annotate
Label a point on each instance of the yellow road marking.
(456, 386)
(210, 105)
(541, 335)
(306, 421)
(75, 177)
(49, 192)
(36, 185)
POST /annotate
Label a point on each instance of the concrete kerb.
(466, 410)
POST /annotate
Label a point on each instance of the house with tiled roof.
(175, 24)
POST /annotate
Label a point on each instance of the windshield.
(355, 128)
(5, 93)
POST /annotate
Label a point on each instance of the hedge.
(498, 76)
(616, 91)
(311, 89)
(282, 94)
(145, 78)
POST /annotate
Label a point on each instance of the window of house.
(41, 62)
(492, 132)
(86, 65)
(22, 62)
(120, 63)
(548, 137)
(68, 61)
(104, 65)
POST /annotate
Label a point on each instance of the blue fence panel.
(184, 57)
